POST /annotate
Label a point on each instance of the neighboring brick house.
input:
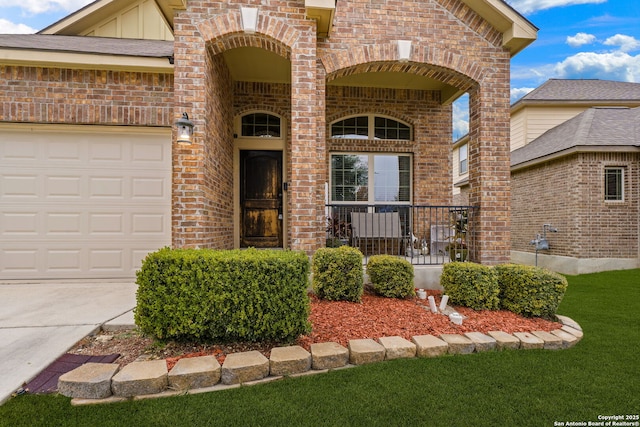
(283, 95)
(575, 165)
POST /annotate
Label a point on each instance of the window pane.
(392, 178)
(391, 129)
(261, 124)
(613, 184)
(463, 158)
(349, 178)
(353, 127)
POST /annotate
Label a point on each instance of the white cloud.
(7, 27)
(531, 6)
(519, 92)
(460, 117)
(34, 7)
(608, 66)
(625, 43)
(580, 39)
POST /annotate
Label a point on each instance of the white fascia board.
(84, 61)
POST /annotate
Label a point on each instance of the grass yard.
(598, 377)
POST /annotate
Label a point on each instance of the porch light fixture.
(249, 19)
(404, 50)
(185, 129)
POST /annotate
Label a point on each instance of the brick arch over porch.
(488, 88)
(447, 67)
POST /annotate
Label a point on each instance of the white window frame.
(606, 196)
(371, 179)
(371, 127)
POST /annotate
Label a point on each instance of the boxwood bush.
(530, 291)
(471, 285)
(219, 295)
(391, 276)
(337, 274)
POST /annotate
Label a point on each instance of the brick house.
(291, 99)
(575, 165)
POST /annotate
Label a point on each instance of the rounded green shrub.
(391, 276)
(471, 285)
(337, 274)
(530, 291)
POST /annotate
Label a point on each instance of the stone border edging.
(94, 383)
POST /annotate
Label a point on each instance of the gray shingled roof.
(583, 90)
(90, 45)
(595, 127)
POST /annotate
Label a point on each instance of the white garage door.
(82, 202)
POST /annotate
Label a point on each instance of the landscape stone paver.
(135, 380)
(573, 331)
(397, 348)
(568, 340)
(458, 344)
(139, 378)
(569, 322)
(504, 341)
(551, 342)
(363, 351)
(481, 341)
(289, 360)
(528, 341)
(244, 367)
(328, 355)
(88, 381)
(429, 346)
(195, 372)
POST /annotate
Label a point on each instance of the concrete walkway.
(40, 322)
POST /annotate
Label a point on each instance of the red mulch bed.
(376, 317)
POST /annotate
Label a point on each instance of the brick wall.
(451, 44)
(569, 194)
(59, 95)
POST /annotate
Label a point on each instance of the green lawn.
(600, 376)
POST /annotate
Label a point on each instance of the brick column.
(489, 169)
(304, 226)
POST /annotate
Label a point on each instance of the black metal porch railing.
(425, 235)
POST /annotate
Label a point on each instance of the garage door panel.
(82, 206)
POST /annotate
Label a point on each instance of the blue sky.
(577, 39)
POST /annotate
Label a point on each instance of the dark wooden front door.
(261, 199)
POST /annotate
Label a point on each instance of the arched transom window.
(262, 125)
(370, 126)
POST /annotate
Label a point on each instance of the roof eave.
(517, 31)
(574, 150)
(75, 60)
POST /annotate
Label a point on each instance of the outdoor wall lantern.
(185, 129)
(249, 19)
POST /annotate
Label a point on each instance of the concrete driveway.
(40, 322)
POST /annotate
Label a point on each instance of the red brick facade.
(95, 97)
(569, 194)
(451, 43)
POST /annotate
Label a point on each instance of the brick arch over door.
(225, 32)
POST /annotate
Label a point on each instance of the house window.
(613, 184)
(371, 178)
(261, 125)
(462, 153)
(371, 127)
